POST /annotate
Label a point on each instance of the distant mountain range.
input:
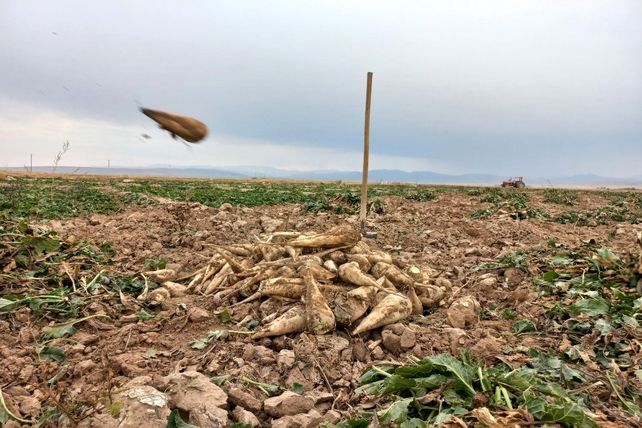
(375, 176)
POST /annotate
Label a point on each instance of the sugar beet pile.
(309, 282)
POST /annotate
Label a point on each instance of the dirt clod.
(286, 359)
(29, 406)
(486, 347)
(513, 276)
(397, 338)
(84, 367)
(138, 405)
(244, 399)
(246, 417)
(453, 276)
(488, 283)
(198, 315)
(286, 404)
(464, 312)
(304, 420)
(196, 395)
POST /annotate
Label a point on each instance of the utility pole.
(31, 162)
(366, 155)
(108, 163)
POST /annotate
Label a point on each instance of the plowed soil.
(436, 235)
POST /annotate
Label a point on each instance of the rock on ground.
(311, 419)
(243, 416)
(198, 315)
(486, 347)
(513, 276)
(271, 224)
(398, 338)
(303, 420)
(464, 312)
(286, 359)
(30, 406)
(457, 339)
(487, 282)
(193, 393)
(137, 406)
(244, 399)
(286, 404)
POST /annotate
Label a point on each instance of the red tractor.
(517, 182)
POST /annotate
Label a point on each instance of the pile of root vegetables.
(313, 282)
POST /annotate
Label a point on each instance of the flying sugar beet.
(188, 128)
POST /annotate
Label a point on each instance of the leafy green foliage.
(267, 388)
(253, 324)
(126, 284)
(509, 314)
(422, 195)
(440, 386)
(536, 213)
(596, 286)
(517, 259)
(473, 191)
(155, 264)
(225, 316)
(512, 201)
(591, 307)
(595, 291)
(317, 206)
(461, 371)
(174, 420)
(524, 326)
(60, 302)
(40, 244)
(220, 380)
(342, 201)
(63, 330)
(298, 388)
(314, 196)
(601, 216)
(494, 196)
(58, 332)
(397, 413)
(51, 353)
(211, 336)
(62, 198)
(482, 213)
(561, 197)
(40, 267)
(143, 315)
(571, 217)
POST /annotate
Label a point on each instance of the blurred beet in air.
(189, 129)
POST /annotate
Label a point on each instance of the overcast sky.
(529, 87)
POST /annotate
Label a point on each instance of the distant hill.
(375, 176)
(156, 171)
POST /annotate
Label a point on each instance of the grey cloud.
(477, 85)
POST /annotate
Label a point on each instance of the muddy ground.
(108, 353)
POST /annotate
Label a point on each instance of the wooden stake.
(366, 154)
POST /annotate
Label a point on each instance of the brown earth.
(108, 353)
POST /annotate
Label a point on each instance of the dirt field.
(132, 362)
